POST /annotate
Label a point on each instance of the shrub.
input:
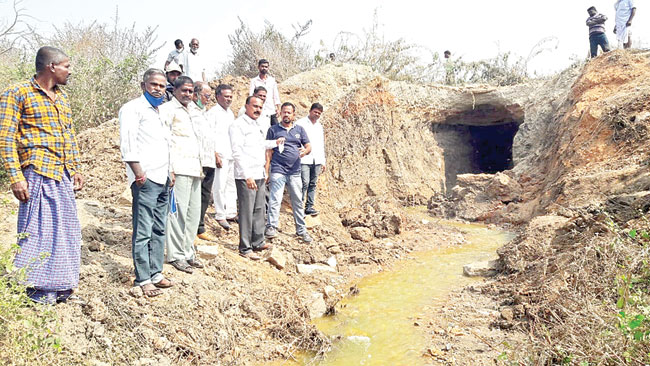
(107, 65)
(287, 56)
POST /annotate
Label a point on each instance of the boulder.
(126, 198)
(208, 251)
(483, 269)
(312, 221)
(316, 305)
(361, 233)
(276, 257)
(311, 268)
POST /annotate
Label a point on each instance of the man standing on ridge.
(176, 55)
(249, 153)
(194, 66)
(144, 144)
(597, 37)
(224, 192)
(272, 102)
(625, 12)
(283, 162)
(40, 154)
(312, 164)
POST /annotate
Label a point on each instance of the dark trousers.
(150, 207)
(250, 204)
(206, 194)
(309, 173)
(598, 39)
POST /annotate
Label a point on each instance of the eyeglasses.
(207, 96)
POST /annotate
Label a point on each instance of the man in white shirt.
(264, 121)
(312, 164)
(144, 145)
(249, 153)
(176, 55)
(194, 64)
(224, 192)
(625, 12)
(202, 94)
(272, 101)
(184, 117)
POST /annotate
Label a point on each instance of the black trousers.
(206, 195)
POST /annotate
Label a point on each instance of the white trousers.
(224, 191)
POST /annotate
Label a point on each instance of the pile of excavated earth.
(555, 159)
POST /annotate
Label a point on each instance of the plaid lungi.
(49, 233)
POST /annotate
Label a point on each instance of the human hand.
(140, 180)
(322, 168)
(280, 141)
(21, 191)
(217, 160)
(78, 181)
(250, 183)
(628, 24)
(302, 151)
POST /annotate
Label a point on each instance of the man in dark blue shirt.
(284, 165)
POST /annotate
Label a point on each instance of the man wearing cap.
(173, 72)
(272, 102)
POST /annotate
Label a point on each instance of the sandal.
(149, 291)
(164, 283)
(182, 266)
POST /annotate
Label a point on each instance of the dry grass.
(574, 289)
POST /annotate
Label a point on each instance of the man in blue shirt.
(284, 165)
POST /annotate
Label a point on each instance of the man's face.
(264, 68)
(184, 93)
(206, 93)
(155, 85)
(194, 45)
(225, 98)
(62, 72)
(314, 114)
(262, 95)
(180, 46)
(254, 108)
(592, 12)
(287, 114)
(172, 76)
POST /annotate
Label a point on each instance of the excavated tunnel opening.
(478, 140)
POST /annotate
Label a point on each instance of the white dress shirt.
(316, 139)
(272, 93)
(185, 148)
(144, 138)
(221, 119)
(264, 121)
(249, 148)
(176, 56)
(206, 135)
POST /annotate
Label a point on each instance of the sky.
(471, 29)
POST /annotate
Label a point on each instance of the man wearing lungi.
(40, 154)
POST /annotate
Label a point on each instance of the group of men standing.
(625, 12)
(179, 155)
(167, 141)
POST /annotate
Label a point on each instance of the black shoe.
(311, 211)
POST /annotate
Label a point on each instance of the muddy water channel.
(377, 325)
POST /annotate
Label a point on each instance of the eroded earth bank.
(562, 161)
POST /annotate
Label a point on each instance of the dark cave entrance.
(478, 140)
